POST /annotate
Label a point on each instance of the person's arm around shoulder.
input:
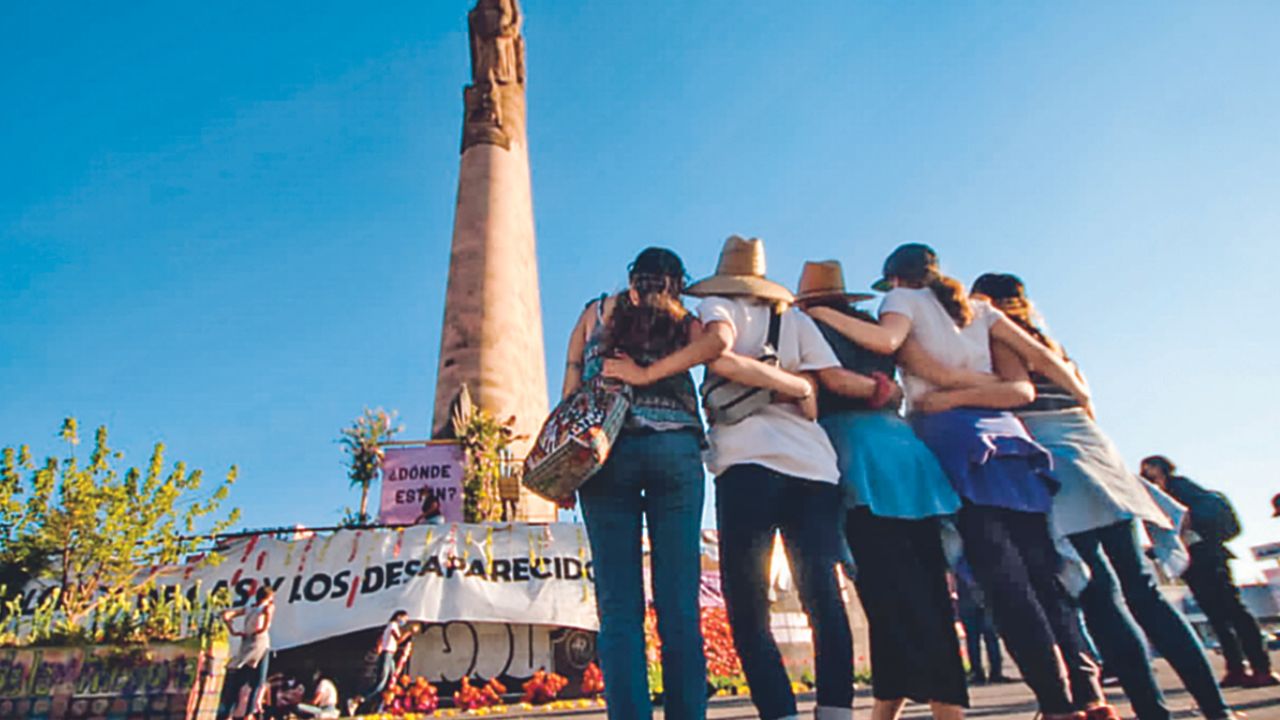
(1012, 389)
(884, 337)
(750, 371)
(923, 364)
(1047, 362)
(706, 343)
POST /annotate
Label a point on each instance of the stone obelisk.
(492, 337)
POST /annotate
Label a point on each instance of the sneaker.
(1261, 679)
(977, 679)
(1101, 712)
(1001, 680)
(1235, 677)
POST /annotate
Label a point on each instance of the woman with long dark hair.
(1000, 473)
(776, 472)
(653, 479)
(1098, 508)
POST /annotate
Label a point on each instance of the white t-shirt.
(390, 640)
(326, 694)
(778, 437)
(938, 334)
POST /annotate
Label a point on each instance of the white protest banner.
(411, 474)
(355, 579)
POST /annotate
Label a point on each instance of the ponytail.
(950, 292)
(1024, 315)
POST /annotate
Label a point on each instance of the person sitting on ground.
(323, 702)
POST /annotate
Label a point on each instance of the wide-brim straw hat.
(824, 280)
(741, 272)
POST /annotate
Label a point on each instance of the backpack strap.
(775, 330)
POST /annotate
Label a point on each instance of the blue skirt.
(884, 466)
(990, 458)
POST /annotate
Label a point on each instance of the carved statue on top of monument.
(497, 50)
(495, 98)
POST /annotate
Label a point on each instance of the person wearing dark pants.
(948, 349)
(1014, 559)
(752, 503)
(1210, 581)
(775, 471)
(1123, 600)
(1211, 522)
(979, 629)
(1097, 506)
(895, 496)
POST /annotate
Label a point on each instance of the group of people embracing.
(998, 442)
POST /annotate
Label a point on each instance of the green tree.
(97, 533)
(362, 441)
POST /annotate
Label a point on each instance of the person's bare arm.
(577, 343)
(706, 343)
(750, 371)
(846, 383)
(884, 337)
(922, 363)
(1044, 360)
(1012, 389)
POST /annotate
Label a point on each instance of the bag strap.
(775, 329)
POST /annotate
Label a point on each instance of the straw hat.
(741, 272)
(825, 279)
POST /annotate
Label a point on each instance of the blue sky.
(227, 226)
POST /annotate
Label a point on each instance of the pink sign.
(422, 484)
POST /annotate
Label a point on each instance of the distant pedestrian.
(252, 659)
(431, 512)
(979, 629)
(1211, 523)
(396, 632)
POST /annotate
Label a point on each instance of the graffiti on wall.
(155, 682)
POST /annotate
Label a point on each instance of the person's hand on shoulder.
(625, 369)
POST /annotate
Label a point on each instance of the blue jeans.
(651, 479)
(751, 503)
(1120, 603)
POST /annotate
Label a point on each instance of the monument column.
(492, 336)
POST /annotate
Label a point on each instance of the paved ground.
(1014, 700)
(997, 702)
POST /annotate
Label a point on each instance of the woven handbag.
(576, 438)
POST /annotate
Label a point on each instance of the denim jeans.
(386, 667)
(653, 480)
(1209, 578)
(1016, 564)
(1121, 603)
(751, 503)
